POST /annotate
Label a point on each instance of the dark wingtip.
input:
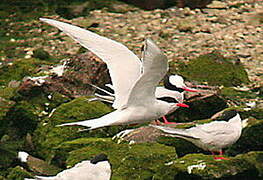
(99, 158)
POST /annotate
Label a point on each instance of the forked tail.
(175, 132)
(106, 120)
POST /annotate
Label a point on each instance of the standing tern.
(135, 100)
(213, 136)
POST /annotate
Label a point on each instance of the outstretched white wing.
(155, 66)
(124, 66)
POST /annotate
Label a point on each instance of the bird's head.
(176, 83)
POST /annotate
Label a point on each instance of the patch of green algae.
(232, 93)
(251, 139)
(136, 161)
(48, 136)
(18, 173)
(156, 161)
(190, 166)
(19, 69)
(214, 69)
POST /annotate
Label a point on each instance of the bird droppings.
(49, 96)
(59, 70)
(38, 80)
(200, 166)
(169, 163)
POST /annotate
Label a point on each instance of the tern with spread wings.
(135, 100)
(172, 91)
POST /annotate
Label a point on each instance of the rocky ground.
(45, 77)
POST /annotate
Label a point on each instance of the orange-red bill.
(182, 105)
(190, 90)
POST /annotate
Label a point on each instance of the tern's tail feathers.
(175, 132)
(91, 124)
(106, 120)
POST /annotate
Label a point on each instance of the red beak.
(182, 105)
(190, 90)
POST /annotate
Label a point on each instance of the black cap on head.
(170, 86)
(99, 158)
(168, 99)
(227, 115)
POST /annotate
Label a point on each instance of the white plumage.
(213, 136)
(85, 170)
(134, 91)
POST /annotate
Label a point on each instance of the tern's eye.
(180, 89)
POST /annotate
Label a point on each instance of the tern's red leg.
(221, 156)
(157, 122)
(167, 122)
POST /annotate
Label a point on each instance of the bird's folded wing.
(216, 128)
(124, 66)
(176, 132)
(155, 66)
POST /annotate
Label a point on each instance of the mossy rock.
(5, 105)
(256, 158)
(239, 97)
(48, 136)
(199, 109)
(214, 69)
(78, 8)
(7, 92)
(22, 113)
(20, 119)
(136, 161)
(19, 69)
(40, 53)
(200, 166)
(251, 139)
(156, 161)
(254, 112)
(7, 156)
(18, 173)
(181, 146)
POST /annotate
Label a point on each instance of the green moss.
(5, 105)
(214, 69)
(254, 112)
(199, 109)
(22, 118)
(251, 140)
(181, 146)
(137, 161)
(48, 136)
(18, 70)
(73, 9)
(18, 173)
(7, 92)
(226, 169)
(231, 93)
(256, 158)
(7, 156)
(40, 53)
(2, 177)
